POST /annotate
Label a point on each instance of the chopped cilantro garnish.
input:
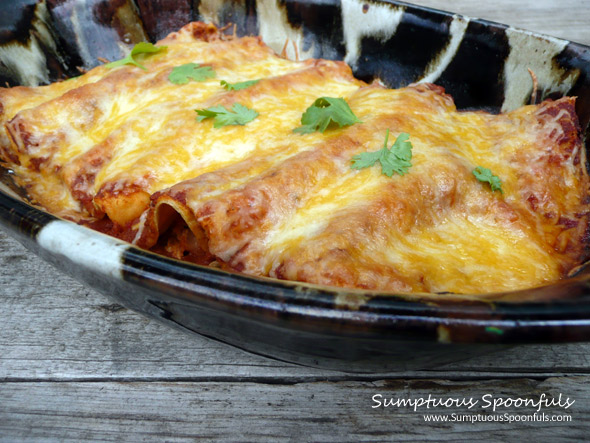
(239, 85)
(486, 176)
(494, 330)
(140, 48)
(238, 115)
(325, 111)
(181, 75)
(395, 159)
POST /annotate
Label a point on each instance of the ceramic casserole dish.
(477, 62)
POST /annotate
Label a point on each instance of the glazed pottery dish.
(348, 184)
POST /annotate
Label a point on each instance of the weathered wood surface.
(55, 329)
(322, 411)
(567, 19)
(75, 366)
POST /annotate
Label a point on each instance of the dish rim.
(420, 316)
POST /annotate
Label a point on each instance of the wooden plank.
(341, 411)
(56, 329)
(566, 19)
(74, 366)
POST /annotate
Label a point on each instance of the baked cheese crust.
(120, 150)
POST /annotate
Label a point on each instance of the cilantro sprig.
(138, 49)
(324, 112)
(238, 115)
(181, 75)
(395, 159)
(239, 85)
(485, 175)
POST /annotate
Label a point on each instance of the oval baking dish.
(474, 60)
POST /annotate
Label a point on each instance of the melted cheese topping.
(125, 145)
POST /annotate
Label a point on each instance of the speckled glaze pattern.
(482, 65)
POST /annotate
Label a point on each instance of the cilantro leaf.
(325, 111)
(238, 86)
(140, 48)
(181, 75)
(238, 115)
(395, 159)
(366, 159)
(485, 175)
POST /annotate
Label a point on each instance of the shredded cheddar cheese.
(124, 146)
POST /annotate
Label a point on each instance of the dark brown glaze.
(105, 27)
(21, 27)
(299, 322)
(160, 16)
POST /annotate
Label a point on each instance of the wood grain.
(74, 366)
(325, 411)
(567, 19)
(60, 330)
